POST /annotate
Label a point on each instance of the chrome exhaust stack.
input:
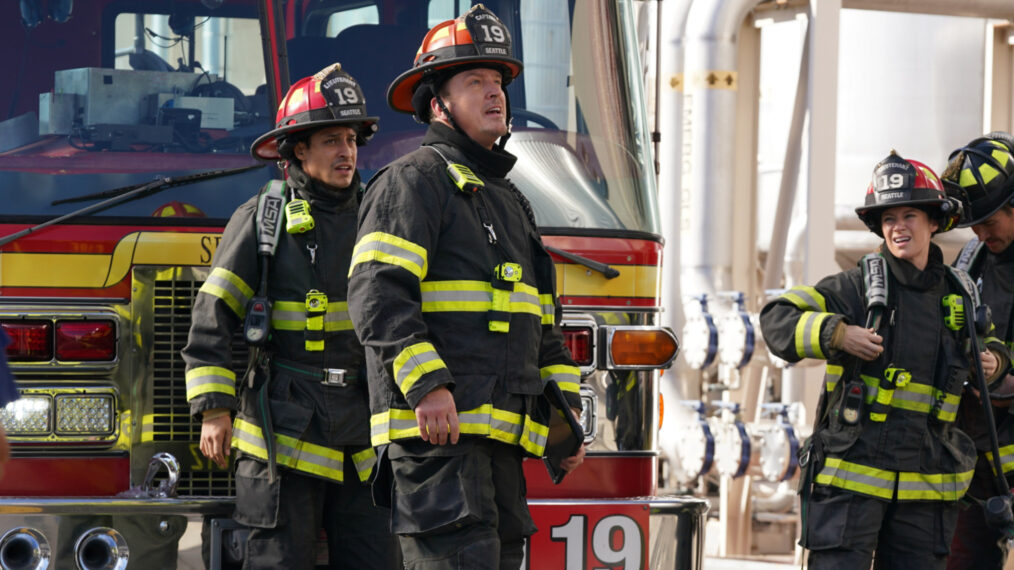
(24, 549)
(101, 548)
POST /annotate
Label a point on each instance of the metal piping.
(710, 120)
(775, 264)
(25, 549)
(1000, 9)
(1003, 9)
(101, 548)
(669, 118)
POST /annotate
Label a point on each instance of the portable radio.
(297, 217)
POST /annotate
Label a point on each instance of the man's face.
(476, 100)
(997, 232)
(329, 155)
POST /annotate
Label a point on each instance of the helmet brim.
(266, 145)
(399, 94)
(870, 214)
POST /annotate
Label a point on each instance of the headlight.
(28, 415)
(61, 415)
(78, 415)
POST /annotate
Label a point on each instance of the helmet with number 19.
(900, 182)
(326, 98)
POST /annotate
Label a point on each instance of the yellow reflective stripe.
(413, 363)
(832, 374)
(933, 486)
(386, 248)
(872, 387)
(487, 421)
(534, 437)
(210, 379)
(148, 428)
(364, 460)
(228, 287)
(808, 334)
(1006, 459)
(289, 451)
(291, 316)
(858, 478)
(478, 296)
(548, 309)
(806, 298)
(566, 376)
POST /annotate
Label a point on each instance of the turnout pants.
(848, 531)
(459, 506)
(286, 517)
(975, 544)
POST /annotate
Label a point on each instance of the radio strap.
(969, 255)
(257, 324)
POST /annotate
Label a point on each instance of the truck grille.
(173, 300)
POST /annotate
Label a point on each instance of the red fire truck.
(124, 148)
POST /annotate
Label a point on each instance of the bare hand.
(216, 439)
(862, 342)
(438, 417)
(989, 363)
(571, 463)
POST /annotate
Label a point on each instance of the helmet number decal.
(493, 33)
(346, 96)
(890, 181)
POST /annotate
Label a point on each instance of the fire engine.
(124, 149)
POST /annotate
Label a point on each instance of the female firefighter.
(885, 466)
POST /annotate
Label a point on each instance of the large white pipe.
(1002, 9)
(669, 109)
(774, 267)
(709, 128)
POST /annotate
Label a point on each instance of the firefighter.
(301, 423)
(981, 174)
(886, 466)
(452, 293)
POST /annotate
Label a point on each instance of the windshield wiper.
(168, 182)
(602, 268)
(126, 194)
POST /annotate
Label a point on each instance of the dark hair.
(287, 144)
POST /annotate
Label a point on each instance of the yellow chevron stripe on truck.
(634, 281)
(90, 270)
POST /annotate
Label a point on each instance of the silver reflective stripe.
(457, 296)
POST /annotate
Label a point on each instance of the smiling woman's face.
(907, 231)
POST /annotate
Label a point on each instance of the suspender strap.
(270, 204)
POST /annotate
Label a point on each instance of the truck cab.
(124, 149)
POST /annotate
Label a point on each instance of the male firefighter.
(885, 466)
(981, 174)
(452, 293)
(301, 410)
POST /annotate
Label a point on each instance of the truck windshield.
(579, 127)
(122, 92)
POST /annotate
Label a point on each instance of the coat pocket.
(435, 493)
(256, 496)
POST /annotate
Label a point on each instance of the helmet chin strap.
(447, 112)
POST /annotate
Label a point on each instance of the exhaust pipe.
(101, 548)
(24, 549)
